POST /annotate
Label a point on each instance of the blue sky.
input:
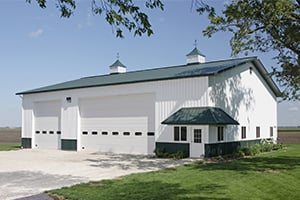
(38, 48)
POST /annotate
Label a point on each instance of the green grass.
(8, 147)
(274, 175)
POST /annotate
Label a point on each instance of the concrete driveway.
(29, 172)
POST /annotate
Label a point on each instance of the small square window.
(104, 133)
(257, 132)
(84, 132)
(44, 132)
(138, 133)
(37, 132)
(126, 133)
(51, 132)
(115, 133)
(94, 132)
(58, 132)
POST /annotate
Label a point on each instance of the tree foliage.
(263, 25)
(120, 14)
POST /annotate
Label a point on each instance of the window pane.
(197, 136)
(257, 131)
(183, 133)
(271, 131)
(176, 133)
(243, 132)
(220, 133)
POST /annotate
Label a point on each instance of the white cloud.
(36, 33)
(294, 108)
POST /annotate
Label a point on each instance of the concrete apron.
(33, 171)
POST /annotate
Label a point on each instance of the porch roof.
(200, 116)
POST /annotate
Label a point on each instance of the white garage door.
(118, 124)
(47, 124)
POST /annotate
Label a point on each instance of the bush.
(257, 148)
(162, 153)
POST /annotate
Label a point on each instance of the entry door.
(196, 145)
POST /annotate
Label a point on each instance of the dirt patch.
(10, 135)
(288, 138)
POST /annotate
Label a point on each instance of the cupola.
(195, 56)
(117, 68)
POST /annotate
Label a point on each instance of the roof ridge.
(175, 66)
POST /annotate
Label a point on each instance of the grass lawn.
(8, 147)
(274, 175)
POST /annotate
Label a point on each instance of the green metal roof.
(200, 116)
(165, 73)
(194, 52)
(117, 63)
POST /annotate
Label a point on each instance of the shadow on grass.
(281, 163)
(138, 190)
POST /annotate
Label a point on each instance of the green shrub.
(277, 147)
(162, 153)
(239, 154)
(258, 148)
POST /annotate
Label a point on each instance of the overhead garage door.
(47, 124)
(119, 124)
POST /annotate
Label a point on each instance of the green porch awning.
(200, 116)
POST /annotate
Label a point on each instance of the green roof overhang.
(200, 116)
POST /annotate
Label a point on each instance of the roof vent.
(117, 68)
(195, 56)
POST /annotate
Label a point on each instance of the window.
(84, 132)
(176, 133)
(138, 133)
(37, 132)
(94, 132)
(180, 133)
(44, 132)
(126, 133)
(183, 133)
(271, 131)
(257, 131)
(58, 132)
(220, 133)
(104, 133)
(150, 133)
(51, 132)
(197, 136)
(115, 133)
(243, 132)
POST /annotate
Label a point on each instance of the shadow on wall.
(229, 94)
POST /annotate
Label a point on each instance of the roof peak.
(117, 63)
(194, 52)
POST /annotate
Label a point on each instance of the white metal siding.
(246, 97)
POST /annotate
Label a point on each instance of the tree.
(256, 25)
(263, 25)
(119, 14)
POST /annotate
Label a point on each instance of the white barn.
(200, 108)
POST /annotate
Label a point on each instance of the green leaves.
(120, 14)
(263, 25)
